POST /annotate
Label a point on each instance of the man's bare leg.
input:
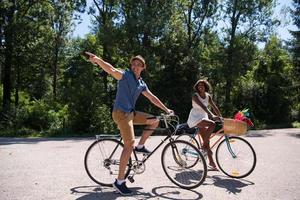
(151, 125)
(126, 153)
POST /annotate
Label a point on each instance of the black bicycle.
(187, 169)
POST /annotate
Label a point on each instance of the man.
(130, 86)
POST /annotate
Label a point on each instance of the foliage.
(276, 69)
(85, 94)
(33, 116)
(244, 21)
(296, 124)
(49, 89)
(295, 50)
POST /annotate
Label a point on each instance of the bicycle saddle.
(184, 128)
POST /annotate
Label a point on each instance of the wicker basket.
(234, 127)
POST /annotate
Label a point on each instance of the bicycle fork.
(177, 156)
(227, 139)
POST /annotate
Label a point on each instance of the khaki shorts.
(125, 122)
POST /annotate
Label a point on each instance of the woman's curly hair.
(207, 86)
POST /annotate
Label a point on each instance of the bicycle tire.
(187, 177)
(104, 154)
(189, 138)
(245, 161)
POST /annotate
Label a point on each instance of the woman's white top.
(197, 114)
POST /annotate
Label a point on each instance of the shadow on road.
(295, 132)
(165, 192)
(173, 192)
(263, 133)
(231, 185)
(10, 141)
(296, 135)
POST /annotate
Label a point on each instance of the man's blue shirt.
(128, 90)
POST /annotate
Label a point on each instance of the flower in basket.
(244, 115)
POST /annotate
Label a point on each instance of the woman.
(202, 117)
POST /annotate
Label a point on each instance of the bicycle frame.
(228, 151)
(146, 157)
(218, 133)
(176, 161)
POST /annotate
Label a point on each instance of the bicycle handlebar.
(220, 120)
(163, 116)
(167, 115)
(168, 118)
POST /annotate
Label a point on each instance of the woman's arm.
(214, 107)
(153, 99)
(117, 74)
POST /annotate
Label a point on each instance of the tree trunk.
(55, 64)
(9, 34)
(230, 53)
(18, 83)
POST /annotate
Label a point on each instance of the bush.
(296, 124)
(102, 121)
(39, 115)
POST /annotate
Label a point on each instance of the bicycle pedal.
(130, 178)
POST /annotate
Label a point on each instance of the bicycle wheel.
(235, 157)
(189, 138)
(176, 162)
(102, 160)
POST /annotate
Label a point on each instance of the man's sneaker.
(142, 150)
(122, 188)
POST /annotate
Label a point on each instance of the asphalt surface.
(52, 168)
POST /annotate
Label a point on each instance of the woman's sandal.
(207, 150)
(212, 168)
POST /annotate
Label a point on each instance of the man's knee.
(129, 144)
(155, 123)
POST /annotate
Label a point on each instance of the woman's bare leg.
(206, 127)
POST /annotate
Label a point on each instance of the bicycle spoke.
(236, 157)
(181, 164)
(102, 161)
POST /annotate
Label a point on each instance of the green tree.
(8, 8)
(105, 26)
(27, 34)
(61, 23)
(15, 15)
(84, 93)
(273, 74)
(212, 61)
(296, 58)
(180, 50)
(246, 20)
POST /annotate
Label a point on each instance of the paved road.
(51, 168)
